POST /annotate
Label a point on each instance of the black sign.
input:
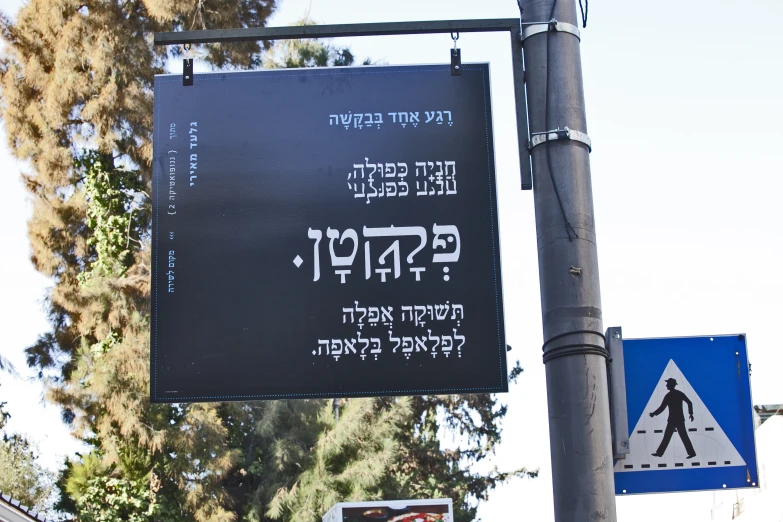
(325, 233)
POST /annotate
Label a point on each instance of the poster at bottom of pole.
(419, 510)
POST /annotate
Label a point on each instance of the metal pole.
(253, 34)
(574, 348)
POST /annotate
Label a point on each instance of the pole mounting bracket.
(552, 25)
(618, 405)
(537, 138)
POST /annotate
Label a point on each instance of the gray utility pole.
(574, 348)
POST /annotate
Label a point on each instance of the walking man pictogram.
(673, 400)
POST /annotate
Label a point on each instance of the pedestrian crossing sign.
(691, 416)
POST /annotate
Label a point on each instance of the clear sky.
(684, 106)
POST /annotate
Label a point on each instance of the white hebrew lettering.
(441, 311)
(434, 338)
(439, 177)
(349, 233)
(446, 348)
(394, 339)
(367, 264)
(419, 316)
(317, 235)
(386, 312)
(365, 341)
(419, 190)
(458, 337)
(374, 190)
(453, 237)
(451, 178)
(362, 310)
(373, 165)
(394, 249)
(337, 347)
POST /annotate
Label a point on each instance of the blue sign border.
(717, 368)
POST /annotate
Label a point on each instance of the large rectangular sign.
(325, 233)
(690, 410)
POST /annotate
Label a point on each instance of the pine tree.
(21, 476)
(76, 81)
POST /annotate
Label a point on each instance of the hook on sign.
(456, 57)
(187, 67)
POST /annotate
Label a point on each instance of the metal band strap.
(575, 348)
(558, 134)
(552, 25)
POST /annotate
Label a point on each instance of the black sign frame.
(252, 213)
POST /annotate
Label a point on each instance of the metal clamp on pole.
(552, 25)
(577, 342)
(537, 138)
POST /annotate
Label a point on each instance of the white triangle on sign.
(712, 447)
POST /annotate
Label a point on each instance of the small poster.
(427, 510)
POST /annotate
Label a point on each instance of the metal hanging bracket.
(512, 26)
(187, 68)
(552, 25)
(456, 57)
(537, 138)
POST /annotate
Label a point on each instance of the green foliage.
(109, 193)
(349, 460)
(20, 474)
(111, 499)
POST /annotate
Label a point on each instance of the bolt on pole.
(574, 346)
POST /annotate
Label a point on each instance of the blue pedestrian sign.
(691, 416)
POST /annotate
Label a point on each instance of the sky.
(683, 109)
